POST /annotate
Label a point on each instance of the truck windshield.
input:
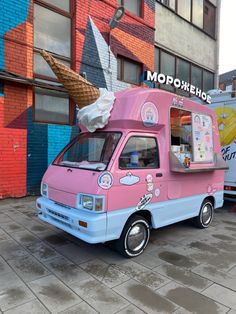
(91, 151)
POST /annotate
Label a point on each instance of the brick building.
(37, 118)
(227, 81)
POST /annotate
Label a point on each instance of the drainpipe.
(216, 80)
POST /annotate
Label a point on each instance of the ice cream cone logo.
(82, 91)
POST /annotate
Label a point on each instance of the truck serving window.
(139, 152)
(91, 151)
(191, 136)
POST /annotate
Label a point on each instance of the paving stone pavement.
(183, 270)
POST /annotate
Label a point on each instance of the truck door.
(138, 178)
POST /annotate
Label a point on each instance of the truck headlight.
(87, 202)
(44, 189)
(91, 202)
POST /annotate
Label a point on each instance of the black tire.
(204, 219)
(131, 247)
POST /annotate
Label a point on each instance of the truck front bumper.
(67, 219)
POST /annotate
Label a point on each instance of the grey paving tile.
(99, 296)
(222, 295)
(11, 227)
(112, 257)
(22, 219)
(52, 238)
(232, 312)
(131, 309)
(10, 249)
(54, 295)
(32, 307)
(75, 253)
(104, 272)
(82, 308)
(148, 260)
(4, 218)
(25, 238)
(184, 276)
(227, 280)
(38, 228)
(191, 300)
(41, 251)
(4, 267)
(223, 261)
(14, 296)
(181, 310)
(232, 271)
(66, 270)
(3, 235)
(145, 298)
(28, 268)
(9, 280)
(177, 256)
(143, 274)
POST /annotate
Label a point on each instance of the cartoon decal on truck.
(136, 165)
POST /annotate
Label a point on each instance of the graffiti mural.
(29, 147)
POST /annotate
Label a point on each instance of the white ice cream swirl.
(96, 115)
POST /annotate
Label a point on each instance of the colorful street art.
(28, 147)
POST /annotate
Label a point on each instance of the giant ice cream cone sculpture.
(82, 91)
(95, 104)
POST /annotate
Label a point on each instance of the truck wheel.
(204, 219)
(134, 237)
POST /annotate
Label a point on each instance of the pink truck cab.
(157, 161)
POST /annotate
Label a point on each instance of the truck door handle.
(159, 175)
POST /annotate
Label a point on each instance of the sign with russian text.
(177, 83)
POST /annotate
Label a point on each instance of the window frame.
(192, 112)
(71, 103)
(121, 78)
(213, 36)
(141, 8)
(145, 167)
(191, 64)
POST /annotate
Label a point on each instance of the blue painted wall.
(12, 13)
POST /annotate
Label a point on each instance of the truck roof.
(143, 108)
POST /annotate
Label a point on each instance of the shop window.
(208, 81)
(128, 71)
(167, 67)
(169, 3)
(197, 13)
(171, 65)
(196, 76)
(183, 72)
(52, 32)
(181, 133)
(139, 152)
(209, 18)
(191, 136)
(133, 6)
(184, 9)
(62, 4)
(51, 106)
(200, 13)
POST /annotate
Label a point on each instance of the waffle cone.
(82, 91)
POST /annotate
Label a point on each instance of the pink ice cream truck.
(156, 162)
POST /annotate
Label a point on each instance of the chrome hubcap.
(137, 237)
(206, 214)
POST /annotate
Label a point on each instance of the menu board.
(202, 138)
